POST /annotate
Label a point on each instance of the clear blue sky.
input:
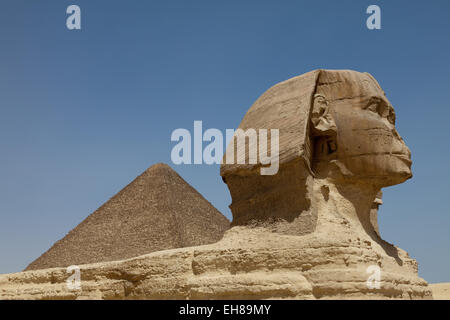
(82, 113)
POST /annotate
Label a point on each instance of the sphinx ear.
(322, 121)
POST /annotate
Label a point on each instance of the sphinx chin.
(398, 170)
(380, 170)
(393, 179)
(387, 179)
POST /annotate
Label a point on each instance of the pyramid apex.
(160, 166)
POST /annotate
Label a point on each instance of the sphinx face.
(367, 146)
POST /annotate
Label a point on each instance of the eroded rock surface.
(245, 264)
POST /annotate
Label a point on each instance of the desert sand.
(441, 291)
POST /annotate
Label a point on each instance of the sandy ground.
(441, 291)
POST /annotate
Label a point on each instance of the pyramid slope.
(157, 211)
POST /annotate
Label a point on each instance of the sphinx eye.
(373, 107)
(391, 116)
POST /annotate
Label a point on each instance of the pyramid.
(157, 211)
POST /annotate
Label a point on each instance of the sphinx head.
(353, 131)
(333, 124)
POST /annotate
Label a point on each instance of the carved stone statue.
(336, 127)
(338, 148)
(307, 232)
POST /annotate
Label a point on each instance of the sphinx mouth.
(404, 157)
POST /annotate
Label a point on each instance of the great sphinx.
(337, 129)
(307, 232)
(338, 148)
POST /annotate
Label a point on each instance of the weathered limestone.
(246, 264)
(307, 232)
